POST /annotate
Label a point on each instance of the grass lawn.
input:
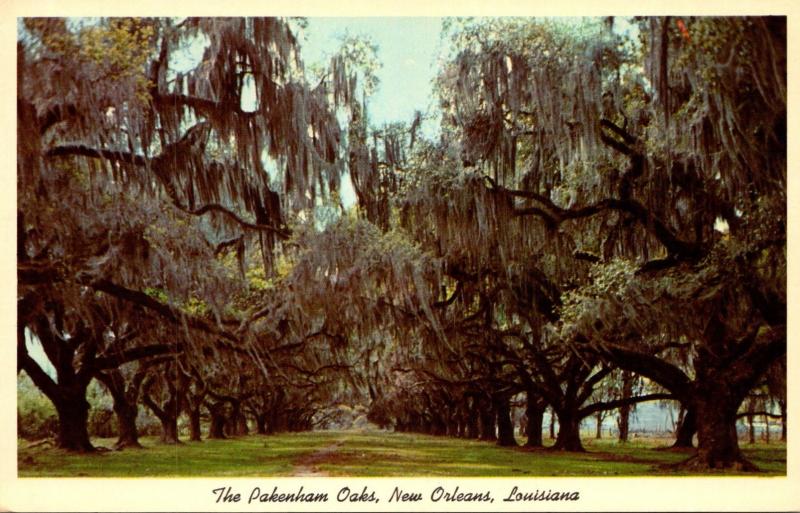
(369, 453)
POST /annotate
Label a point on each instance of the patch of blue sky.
(408, 48)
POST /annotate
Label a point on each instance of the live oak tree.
(740, 186)
(638, 152)
(124, 384)
(86, 331)
(163, 392)
(736, 280)
(132, 173)
(437, 209)
(499, 302)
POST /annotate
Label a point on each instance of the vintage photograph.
(308, 247)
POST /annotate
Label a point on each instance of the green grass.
(245, 456)
(370, 453)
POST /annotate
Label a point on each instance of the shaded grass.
(244, 456)
(392, 454)
(373, 453)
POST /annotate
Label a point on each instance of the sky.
(408, 48)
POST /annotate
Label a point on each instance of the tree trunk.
(487, 424)
(128, 436)
(217, 428)
(452, 428)
(169, 429)
(722, 378)
(168, 416)
(552, 424)
(126, 399)
(68, 391)
(687, 427)
(279, 419)
(766, 428)
(452, 421)
(752, 429)
(194, 424)
(623, 421)
(425, 426)
(782, 406)
(73, 416)
(437, 425)
(599, 418)
(534, 410)
(461, 425)
(505, 428)
(472, 421)
(261, 424)
(569, 433)
(239, 421)
(170, 390)
(242, 429)
(717, 440)
(194, 397)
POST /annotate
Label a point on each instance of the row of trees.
(598, 201)
(601, 222)
(143, 203)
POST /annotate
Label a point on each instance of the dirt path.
(306, 466)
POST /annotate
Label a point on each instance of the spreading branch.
(610, 405)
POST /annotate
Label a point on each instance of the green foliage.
(606, 280)
(195, 306)
(361, 53)
(102, 422)
(256, 279)
(159, 294)
(114, 52)
(36, 415)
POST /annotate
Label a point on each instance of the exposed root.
(50, 442)
(698, 464)
(119, 446)
(676, 448)
(563, 448)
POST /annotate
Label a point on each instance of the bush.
(36, 415)
(102, 421)
(147, 423)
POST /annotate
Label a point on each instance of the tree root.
(698, 464)
(119, 446)
(676, 448)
